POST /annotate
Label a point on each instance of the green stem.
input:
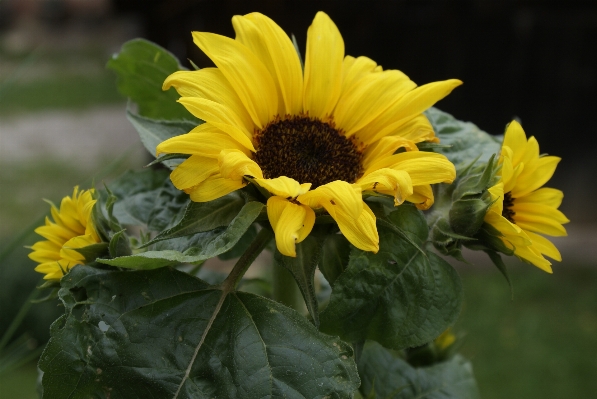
(263, 238)
(285, 289)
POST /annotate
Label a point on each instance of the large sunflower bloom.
(72, 228)
(313, 139)
(522, 208)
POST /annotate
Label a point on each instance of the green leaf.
(152, 132)
(242, 244)
(336, 249)
(165, 334)
(398, 297)
(148, 198)
(192, 249)
(389, 376)
(302, 268)
(142, 67)
(200, 217)
(467, 142)
(168, 157)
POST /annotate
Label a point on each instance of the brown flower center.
(507, 211)
(307, 150)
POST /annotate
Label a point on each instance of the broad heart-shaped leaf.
(467, 142)
(142, 67)
(192, 249)
(152, 132)
(302, 267)
(147, 197)
(165, 334)
(390, 376)
(399, 297)
(200, 217)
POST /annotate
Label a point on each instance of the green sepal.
(119, 245)
(142, 67)
(166, 334)
(93, 251)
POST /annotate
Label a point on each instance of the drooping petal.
(219, 116)
(532, 255)
(291, 222)
(210, 84)
(193, 171)
(423, 167)
(275, 49)
(388, 181)
(283, 186)
(323, 67)
(360, 232)
(422, 197)
(333, 196)
(246, 73)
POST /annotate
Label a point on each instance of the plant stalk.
(240, 268)
(285, 290)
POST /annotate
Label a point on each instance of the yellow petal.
(291, 222)
(361, 231)
(516, 139)
(334, 196)
(193, 171)
(535, 175)
(511, 232)
(544, 246)
(373, 94)
(355, 69)
(525, 211)
(546, 196)
(214, 188)
(388, 181)
(422, 197)
(406, 108)
(417, 130)
(386, 147)
(219, 116)
(283, 186)
(323, 67)
(423, 167)
(210, 84)
(532, 255)
(246, 73)
(205, 140)
(234, 165)
(275, 49)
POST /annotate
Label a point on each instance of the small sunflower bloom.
(72, 228)
(314, 138)
(522, 210)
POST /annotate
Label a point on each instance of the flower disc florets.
(307, 149)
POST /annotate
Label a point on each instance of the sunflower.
(72, 228)
(317, 138)
(522, 209)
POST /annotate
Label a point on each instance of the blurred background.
(62, 123)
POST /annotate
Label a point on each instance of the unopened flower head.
(72, 228)
(523, 211)
(313, 138)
